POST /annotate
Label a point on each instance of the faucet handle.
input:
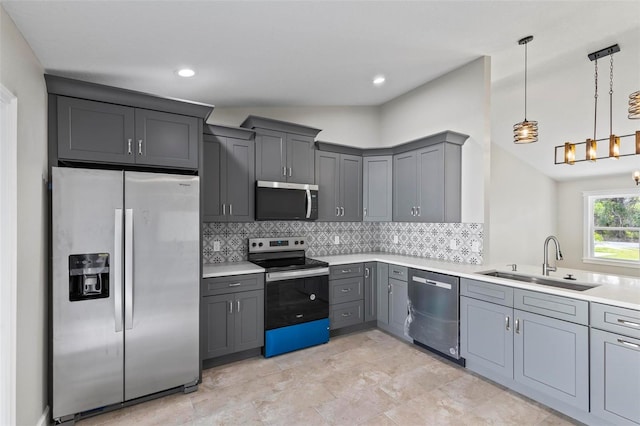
(514, 266)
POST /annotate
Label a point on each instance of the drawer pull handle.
(632, 324)
(397, 272)
(346, 271)
(345, 290)
(507, 324)
(633, 345)
(346, 314)
(235, 285)
(299, 316)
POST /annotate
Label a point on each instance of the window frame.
(589, 227)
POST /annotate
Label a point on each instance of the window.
(612, 228)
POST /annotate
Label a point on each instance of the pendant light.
(525, 131)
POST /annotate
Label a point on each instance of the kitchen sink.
(541, 281)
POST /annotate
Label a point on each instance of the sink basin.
(541, 281)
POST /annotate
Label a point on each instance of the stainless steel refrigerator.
(125, 248)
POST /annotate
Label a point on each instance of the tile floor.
(363, 378)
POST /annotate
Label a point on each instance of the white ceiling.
(321, 53)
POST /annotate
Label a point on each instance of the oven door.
(295, 300)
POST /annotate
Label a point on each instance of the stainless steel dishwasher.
(433, 319)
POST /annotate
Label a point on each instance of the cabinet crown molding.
(253, 122)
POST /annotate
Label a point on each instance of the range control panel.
(258, 245)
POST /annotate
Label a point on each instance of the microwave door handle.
(308, 204)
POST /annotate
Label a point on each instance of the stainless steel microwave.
(286, 201)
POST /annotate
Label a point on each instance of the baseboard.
(44, 418)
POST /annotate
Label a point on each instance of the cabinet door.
(164, 139)
(376, 193)
(249, 320)
(398, 309)
(270, 155)
(328, 181)
(430, 182)
(383, 293)
(300, 159)
(404, 187)
(351, 187)
(552, 356)
(95, 131)
(240, 180)
(615, 377)
(370, 292)
(486, 337)
(217, 325)
(213, 179)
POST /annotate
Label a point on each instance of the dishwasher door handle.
(431, 282)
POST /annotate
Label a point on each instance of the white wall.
(355, 126)
(22, 74)
(458, 101)
(571, 219)
(522, 210)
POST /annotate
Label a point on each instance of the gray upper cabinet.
(427, 184)
(284, 151)
(339, 180)
(377, 188)
(106, 133)
(228, 182)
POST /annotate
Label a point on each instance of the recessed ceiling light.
(186, 72)
(379, 80)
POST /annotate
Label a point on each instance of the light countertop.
(618, 290)
(230, 268)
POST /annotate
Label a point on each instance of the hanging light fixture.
(525, 131)
(614, 141)
(634, 105)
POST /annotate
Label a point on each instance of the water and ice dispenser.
(88, 276)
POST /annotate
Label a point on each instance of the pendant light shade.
(526, 131)
(634, 105)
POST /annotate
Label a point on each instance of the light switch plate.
(216, 246)
(336, 239)
(475, 246)
(395, 239)
(453, 245)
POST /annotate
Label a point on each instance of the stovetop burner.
(281, 254)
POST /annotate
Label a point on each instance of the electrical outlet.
(216, 246)
(453, 245)
(475, 246)
(395, 239)
(336, 239)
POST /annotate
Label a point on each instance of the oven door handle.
(303, 273)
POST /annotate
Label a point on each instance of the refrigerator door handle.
(128, 269)
(117, 269)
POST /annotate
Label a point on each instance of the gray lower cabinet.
(615, 364)
(106, 133)
(393, 299)
(427, 184)
(339, 178)
(537, 353)
(370, 291)
(227, 179)
(346, 295)
(377, 188)
(232, 321)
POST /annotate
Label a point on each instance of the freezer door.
(162, 291)
(87, 334)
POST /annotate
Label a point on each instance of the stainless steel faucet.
(546, 268)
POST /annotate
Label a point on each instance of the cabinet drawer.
(489, 292)
(398, 272)
(618, 320)
(345, 290)
(346, 271)
(232, 284)
(563, 308)
(345, 314)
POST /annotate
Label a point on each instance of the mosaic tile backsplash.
(429, 240)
